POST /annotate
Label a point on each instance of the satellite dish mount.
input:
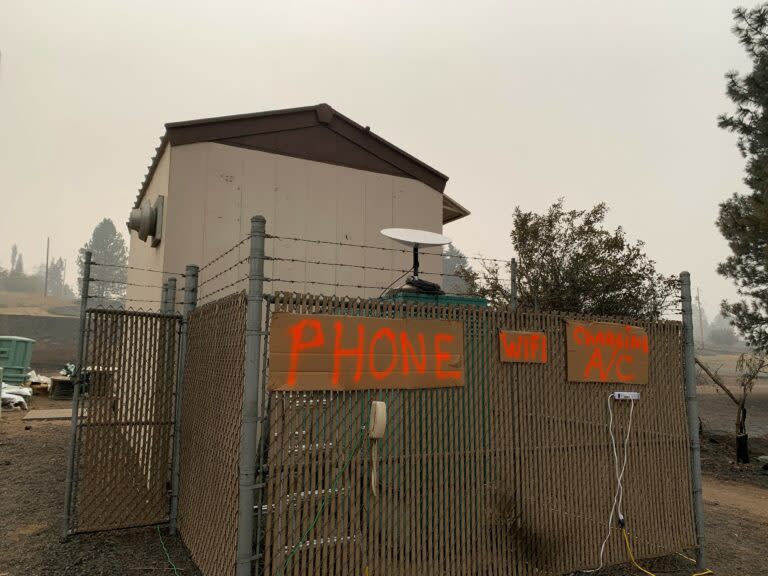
(415, 239)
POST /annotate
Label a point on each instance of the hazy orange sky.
(519, 103)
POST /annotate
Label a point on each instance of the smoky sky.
(519, 103)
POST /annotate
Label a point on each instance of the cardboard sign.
(523, 346)
(320, 352)
(604, 352)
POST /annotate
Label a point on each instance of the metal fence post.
(170, 302)
(190, 302)
(164, 299)
(253, 398)
(77, 378)
(692, 407)
(169, 335)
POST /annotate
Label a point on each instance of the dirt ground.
(33, 472)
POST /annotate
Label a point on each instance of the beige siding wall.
(215, 189)
(142, 255)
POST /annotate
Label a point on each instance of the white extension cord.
(619, 493)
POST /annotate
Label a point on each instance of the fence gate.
(124, 426)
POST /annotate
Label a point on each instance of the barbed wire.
(230, 285)
(384, 248)
(335, 285)
(121, 283)
(126, 267)
(359, 266)
(117, 299)
(340, 264)
(336, 243)
(223, 254)
(235, 265)
(359, 286)
(480, 258)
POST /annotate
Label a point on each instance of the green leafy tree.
(743, 218)
(568, 261)
(108, 248)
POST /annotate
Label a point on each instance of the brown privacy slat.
(513, 472)
(210, 433)
(124, 421)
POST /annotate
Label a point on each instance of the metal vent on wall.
(148, 221)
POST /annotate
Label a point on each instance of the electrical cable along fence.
(515, 471)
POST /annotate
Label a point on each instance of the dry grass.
(719, 361)
(15, 303)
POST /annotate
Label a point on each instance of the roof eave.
(452, 210)
(224, 127)
(159, 151)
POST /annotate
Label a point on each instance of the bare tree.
(749, 367)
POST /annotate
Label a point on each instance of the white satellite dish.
(417, 239)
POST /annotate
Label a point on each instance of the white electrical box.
(626, 395)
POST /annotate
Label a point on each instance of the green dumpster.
(15, 357)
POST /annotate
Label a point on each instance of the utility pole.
(701, 320)
(47, 251)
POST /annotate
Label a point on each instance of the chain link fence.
(124, 420)
(511, 473)
(210, 433)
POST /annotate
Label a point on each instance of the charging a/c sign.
(607, 352)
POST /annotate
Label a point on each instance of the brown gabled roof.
(316, 133)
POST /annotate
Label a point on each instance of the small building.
(313, 173)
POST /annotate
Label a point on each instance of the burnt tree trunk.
(742, 439)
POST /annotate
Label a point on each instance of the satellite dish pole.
(416, 261)
(416, 239)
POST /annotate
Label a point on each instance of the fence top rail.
(117, 312)
(218, 301)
